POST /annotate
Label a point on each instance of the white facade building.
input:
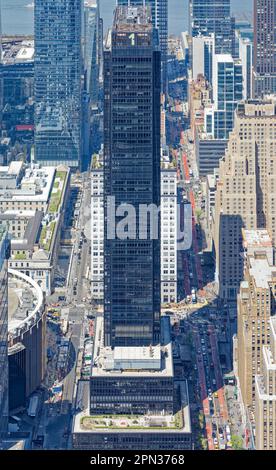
(97, 232)
(168, 233)
(246, 57)
(203, 51)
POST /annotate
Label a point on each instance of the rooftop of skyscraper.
(262, 271)
(133, 361)
(17, 50)
(257, 107)
(129, 18)
(256, 238)
(175, 423)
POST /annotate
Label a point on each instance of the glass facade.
(92, 48)
(213, 16)
(131, 176)
(135, 440)
(131, 395)
(228, 92)
(4, 253)
(58, 82)
(159, 11)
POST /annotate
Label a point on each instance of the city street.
(55, 422)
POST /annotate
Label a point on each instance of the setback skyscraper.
(58, 82)
(159, 12)
(246, 190)
(213, 16)
(131, 176)
(264, 73)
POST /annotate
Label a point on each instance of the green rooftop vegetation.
(132, 422)
(57, 192)
(20, 256)
(96, 163)
(46, 236)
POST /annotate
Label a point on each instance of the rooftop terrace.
(179, 422)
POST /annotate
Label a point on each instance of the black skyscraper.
(159, 13)
(132, 176)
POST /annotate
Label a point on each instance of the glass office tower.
(4, 253)
(131, 176)
(227, 92)
(159, 12)
(58, 82)
(213, 16)
(92, 48)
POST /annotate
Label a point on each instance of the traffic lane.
(203, 389)
(217, 417)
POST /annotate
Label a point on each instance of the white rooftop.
(142, 361)
(262, 272)
(13, 168)
(223, 58)
(25, 53)
(36, 185)
(259, 238)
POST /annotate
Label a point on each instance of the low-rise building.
(27, 187)
(26, 337)
(34, 211)
(208, 151)
(199, 97)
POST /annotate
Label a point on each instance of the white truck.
(194, 298)
(33, 406)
